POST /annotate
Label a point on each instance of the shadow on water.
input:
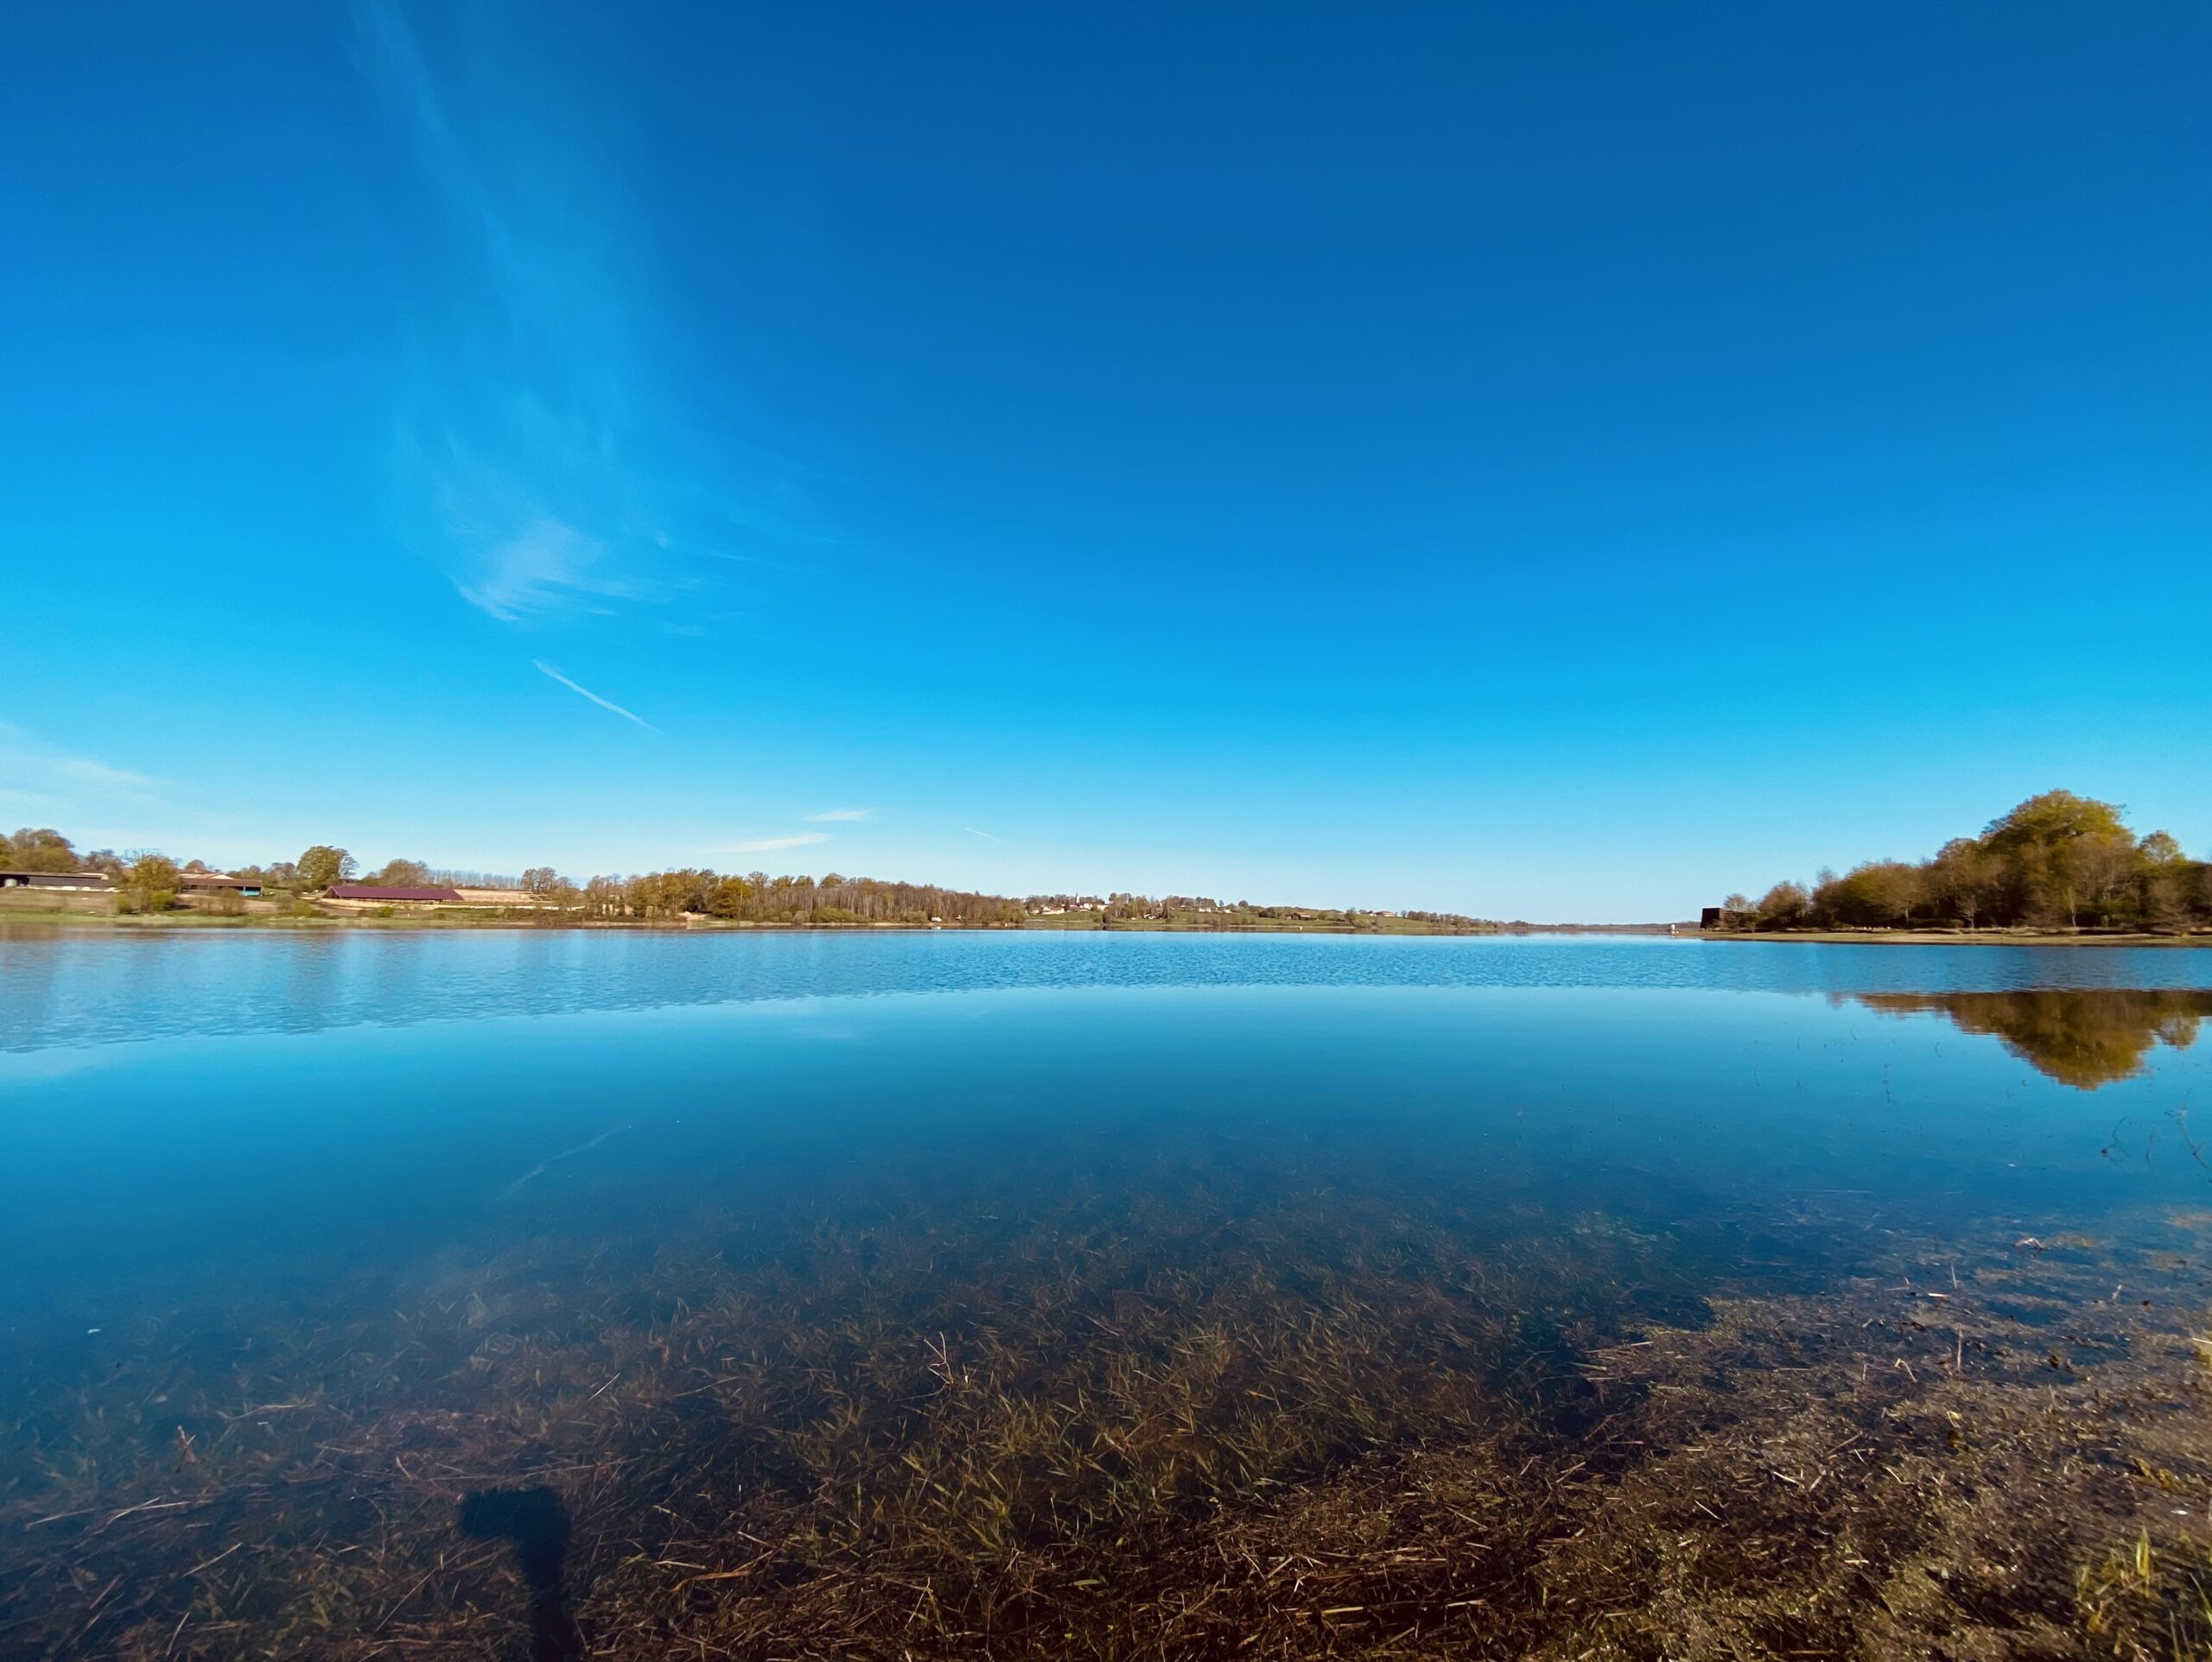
(537, 1523)
(2081, 1038)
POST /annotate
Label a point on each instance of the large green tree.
(2068, 854)
(2054, 819)
(322, 865)
(40, 849)
(151, 884)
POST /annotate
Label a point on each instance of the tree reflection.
(2082, 1038)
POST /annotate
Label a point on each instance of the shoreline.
(70, 918)
(63, 918)
(1956, 938)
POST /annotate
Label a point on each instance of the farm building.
(380, 894)
(217, 882)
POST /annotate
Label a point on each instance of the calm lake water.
(233, 1166)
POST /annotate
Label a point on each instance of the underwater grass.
(1188, 1415)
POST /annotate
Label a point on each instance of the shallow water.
(217, 1148)
(187, 1112)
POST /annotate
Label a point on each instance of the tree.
(1966, 876)
(322, 865)
(730, 897)
(2097, 871)
(2054, 817)
(2161, 848)
(2063, 852)
(541, 879)
(603, 897)
(1875, 895)
(1899, 888)
(2054, 861)
(2068, 852)
(401, 874)
(41, 850)
(151, 884)
(1784, 906)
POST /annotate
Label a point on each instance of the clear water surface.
(209, 1139)
(188, 1114)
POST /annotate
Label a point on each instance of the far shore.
(85, 918)
(1958, 937)
(185, 918)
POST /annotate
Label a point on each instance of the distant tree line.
(463, 879)
(2057, 862)
(47, 850)
(148, 881)
(1202, 911)
(756, 898)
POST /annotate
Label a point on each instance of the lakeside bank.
(1963, 937)
(278, 918)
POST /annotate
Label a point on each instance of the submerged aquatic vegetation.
(1190, 1416)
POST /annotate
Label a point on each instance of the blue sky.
(1546, 462)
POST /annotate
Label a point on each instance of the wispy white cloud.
(37, 776)
(547, 669)
(547, 466)
(769, 845)
(985, 835)
(91, 770)
(88, 799)
(540, 568)
(836, 814)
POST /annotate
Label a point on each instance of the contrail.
(545, 669)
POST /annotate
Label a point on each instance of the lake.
(552, 1294)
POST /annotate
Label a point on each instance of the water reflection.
(2081, 1038)
(1138, 1299)
(63, 989)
